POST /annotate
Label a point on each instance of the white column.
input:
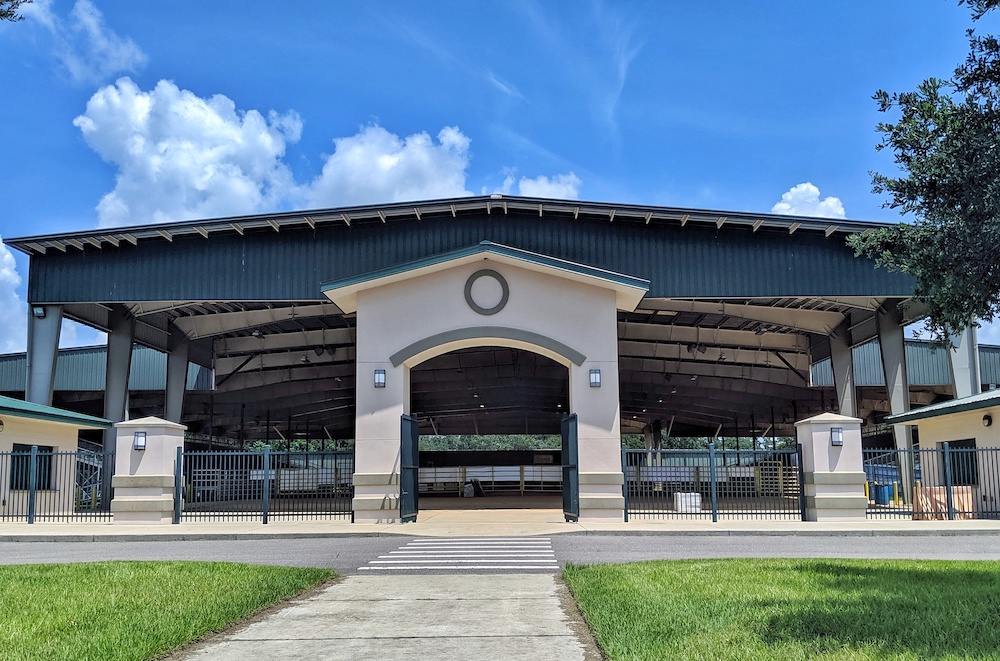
(177, 371)
(120, 336)
(965, 364)
(891, 341)
(833, 474)
(43, 350)
(842, 359)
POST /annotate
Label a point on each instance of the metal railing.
(264, 485)
(710, 483)
(43, 485)
(952, 481)
(494, 479)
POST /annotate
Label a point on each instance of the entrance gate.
(409, 468)
(570, 469)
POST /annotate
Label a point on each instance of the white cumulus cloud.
(376, 165)
(804, 200)
(89, 50)
(13, 310)
(560, 186)
(181, 156)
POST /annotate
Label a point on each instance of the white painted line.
(427, 554)
(483, 539)
(479, 546)
(484, 558)
(430, 561)
(463, 568)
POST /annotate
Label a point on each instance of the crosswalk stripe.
(465, 553)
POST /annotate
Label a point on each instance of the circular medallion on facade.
(486, 291)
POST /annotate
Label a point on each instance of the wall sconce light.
(595, 378)
(380, 378)
(38, 312)
(987, 420)
(139, 440)
(1, 425)
(836, 436)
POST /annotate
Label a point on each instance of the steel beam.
(964, 362)
(177, 369)
(842, 359)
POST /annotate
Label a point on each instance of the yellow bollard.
(895, 493)
(867, 495)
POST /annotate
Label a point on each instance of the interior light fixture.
(380, 378)
(673, 391)
(320, 350)
(38, 311)
(694, 377)
(595, 378)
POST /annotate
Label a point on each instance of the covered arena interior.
(483, 315)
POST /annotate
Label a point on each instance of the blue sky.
(121, 113)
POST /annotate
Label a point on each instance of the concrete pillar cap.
(827, 418)
(150, 422)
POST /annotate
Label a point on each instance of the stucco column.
(120, 336)
(964, 360)
(177, 369)
(833, 476)
(842, 359)
(43, 350)
(144, 479)
(893, 347)
(377, 427)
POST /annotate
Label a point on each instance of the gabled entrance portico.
(486, 295)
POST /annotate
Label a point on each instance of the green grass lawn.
(792, 609)
(132, 610)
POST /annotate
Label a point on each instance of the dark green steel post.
(714, 481)
(625, 480)
(32, 482)
(947, 481)
(802, 486)
(267, 482)
(178, 484)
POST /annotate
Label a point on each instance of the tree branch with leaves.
(946, 143)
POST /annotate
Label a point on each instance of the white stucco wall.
(28, 431)
(396, 315)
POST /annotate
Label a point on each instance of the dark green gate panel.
(409, 462)
(570, 469)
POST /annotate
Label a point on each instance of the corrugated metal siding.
(925, 365)
(989, 364)
(84, 370)
(290, 265)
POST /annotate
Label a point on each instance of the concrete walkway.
(511, 616)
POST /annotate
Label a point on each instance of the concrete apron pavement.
(481, 523)
(503, 616)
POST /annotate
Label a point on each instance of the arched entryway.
(490, 429)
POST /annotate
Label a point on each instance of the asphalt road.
(347, 554)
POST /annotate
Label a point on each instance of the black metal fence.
(952, 481)
(44, 485)
(710, 483)
(264, 485)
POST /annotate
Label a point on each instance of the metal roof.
(926, 365)
(386, 213)
(982, 400)
(22, 409)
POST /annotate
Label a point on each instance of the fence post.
(947, 482)
(267, 481)
(715, 483)
(625, 480)
(178, 484)
(32, 482)
(802, 488)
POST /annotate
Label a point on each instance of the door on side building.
(409, 462)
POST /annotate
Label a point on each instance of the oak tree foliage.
(8, 9)
(946, 143)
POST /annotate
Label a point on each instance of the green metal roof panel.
(989, 365)
(926, 365)
(972, 403)
(84, 369)
(494, 249)
(22, 409)
(733, 261)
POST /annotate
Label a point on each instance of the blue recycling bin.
(883, 494)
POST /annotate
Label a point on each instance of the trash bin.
(883, 494)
